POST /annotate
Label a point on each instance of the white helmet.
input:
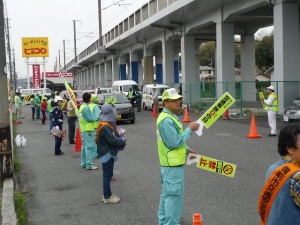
(58, 98)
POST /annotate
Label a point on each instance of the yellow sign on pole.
(216, 166)
(35, 47)
(217, 109)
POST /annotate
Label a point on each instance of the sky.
(54, 19)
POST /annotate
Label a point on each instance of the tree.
(264, 52)
(207, 54)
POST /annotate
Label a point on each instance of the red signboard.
(36, 76)
(56, 74)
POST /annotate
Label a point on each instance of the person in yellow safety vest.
(96, 111)
(172, 151)
(272, 108)
(50, 105)
(18, 106)
(86, 124)
(131, 96)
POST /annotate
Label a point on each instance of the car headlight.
(297, 113)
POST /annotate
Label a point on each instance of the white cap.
(271, 88)
(58, 98)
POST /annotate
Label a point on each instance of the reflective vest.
(49, 106)
(168, 157)
(81, 120)
(92, 106)
(274, 104)
(130, 94)
(16, 101)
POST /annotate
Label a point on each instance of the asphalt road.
(63, 193)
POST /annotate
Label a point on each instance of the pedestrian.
(279, 202)
(137, 96)
(271, 105)
(172, 149)
(33, 105)
(43, 109)
(72, 117)
(130, 96)
(86, 123)
(58, 120)
(98, 90)
(96, 111)
(38, 106)
(50, 105)
(18, 106)
(107, 143)
(155, 99)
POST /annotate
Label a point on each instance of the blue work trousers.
(87, 149)
(171, 197)
(58, 140)
(107, 173)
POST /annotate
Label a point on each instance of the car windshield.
(127, 87)
(121, 98)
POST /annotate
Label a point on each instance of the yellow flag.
(71, 94)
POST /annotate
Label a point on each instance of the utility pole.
(58, 60)
(100, 23)
(64, 52)
(75, 51)
(9, 55)
(14, 70)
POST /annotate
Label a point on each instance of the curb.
(9, 216)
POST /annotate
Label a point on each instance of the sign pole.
(44, 70)
(28, 81)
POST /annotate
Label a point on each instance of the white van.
(124, 85)
(147, 100)
(42, 91)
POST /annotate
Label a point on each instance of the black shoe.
(272, 135)
(72, 142)
(61, 153)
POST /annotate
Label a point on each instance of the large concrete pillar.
(148, 67)
(101, 75)
(97, 79)
(248, 89)
(225, 59)
(168, 62)
(122, 68)
(140, 68)
(115, 71)
(108, 74)
(134, 67)
(286, 54)
(176, 66)
(159, 68)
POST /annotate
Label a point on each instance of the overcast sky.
(54, 19)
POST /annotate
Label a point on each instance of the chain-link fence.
(202, 95)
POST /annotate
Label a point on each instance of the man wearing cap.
(86, 124)
(271, 105)
(18, 106)
(58, 120)
(71, 120)
(172, 151)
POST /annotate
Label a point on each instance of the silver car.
(291, 114)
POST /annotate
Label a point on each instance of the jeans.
(50, 119)
(108, 171)
(44, 117)
(32, 113)
(38, 109)
(71, 123)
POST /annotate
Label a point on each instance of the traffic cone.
(77, 147)
(197, 219)
(226, 115)
(253, 133)
(154, 114)
(186, 117)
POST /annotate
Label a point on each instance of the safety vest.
(274, 104)
(49, 106)
(130, 94)
(167, 157)
(92, 106)
(16, 101)
(84, 125)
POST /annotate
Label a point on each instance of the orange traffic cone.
(197, 219)
(77, 147)
(253, 133)
(186, 117)
(154, 114)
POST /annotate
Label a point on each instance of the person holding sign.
(271, 105)
(279, 201)
(172, 151)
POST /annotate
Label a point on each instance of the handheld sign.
(213, 165)
(217, 109)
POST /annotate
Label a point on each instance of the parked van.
(147, 100)
(124, 85)
(42, 91)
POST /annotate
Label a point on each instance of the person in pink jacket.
(43, 109)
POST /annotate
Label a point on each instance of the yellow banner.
(71, 94)
(35, 47)
(217, 110)
(216, 166)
